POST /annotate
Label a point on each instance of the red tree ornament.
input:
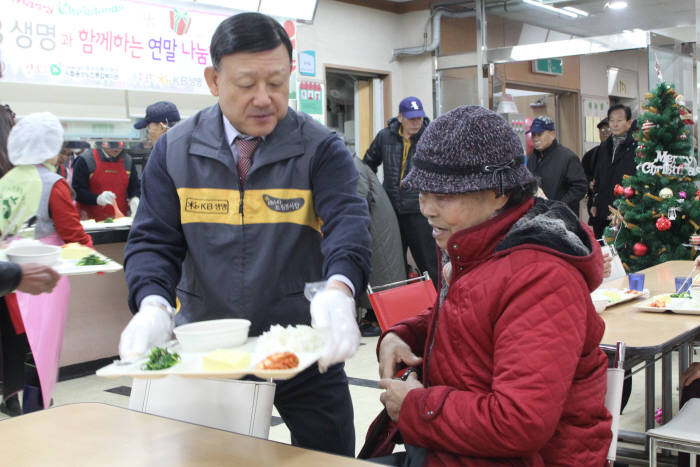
(663, 223)
(628, 192)
(697, 195)
(619, 190)
(639, 249)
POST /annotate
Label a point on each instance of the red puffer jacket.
(514, 372)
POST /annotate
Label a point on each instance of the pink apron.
(44, 318)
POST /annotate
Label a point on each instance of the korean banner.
(127, 44)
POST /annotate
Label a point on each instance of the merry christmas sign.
(667, 164)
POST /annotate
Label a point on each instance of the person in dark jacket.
(160, 117)
(244, 204)
(589, 159)
(393, 148)
(7, 121)
(387, 258)
(558, 169)
(616, 158)
(522, 270)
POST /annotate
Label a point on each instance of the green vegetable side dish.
(91, 260)
(681, 295)
(160, 359)
(109, 220)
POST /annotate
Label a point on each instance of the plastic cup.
(636, 281)
(683, 284)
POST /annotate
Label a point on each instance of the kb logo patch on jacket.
(283, 205)
(266, 206)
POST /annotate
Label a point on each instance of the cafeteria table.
(649, 336)
(105, 435)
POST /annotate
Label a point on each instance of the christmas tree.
(658, 209)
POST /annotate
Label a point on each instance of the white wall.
(345, 35)
(594, 78)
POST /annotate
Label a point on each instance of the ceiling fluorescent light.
(304, 10)
(551, 8)
(299, 9)
(575, 10)
(616, 4)
(241, 5)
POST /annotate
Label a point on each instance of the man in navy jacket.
(242, 205)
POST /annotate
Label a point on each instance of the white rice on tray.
(297, 339)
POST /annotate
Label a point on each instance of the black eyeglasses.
(9, 111)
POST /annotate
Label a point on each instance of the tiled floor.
(362, 370)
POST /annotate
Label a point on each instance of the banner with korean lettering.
(126, 44)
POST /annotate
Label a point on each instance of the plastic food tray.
(69, 267)
(617, 296)
(190, 365)
(686, 306)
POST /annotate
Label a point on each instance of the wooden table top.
(104, 435)
(647, 329)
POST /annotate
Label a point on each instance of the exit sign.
(548, 66)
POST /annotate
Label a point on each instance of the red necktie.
(246, 148)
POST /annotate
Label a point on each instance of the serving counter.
(97, 310)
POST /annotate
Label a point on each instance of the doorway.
(560, 106)
(355, 106)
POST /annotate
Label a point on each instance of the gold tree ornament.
(666, 193)
(616, 217)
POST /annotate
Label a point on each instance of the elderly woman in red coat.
(511, 369)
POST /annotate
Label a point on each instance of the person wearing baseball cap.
(520, 274)
(589, 161)
(105, 182)
(394, 147)
(558, 169)
(160, 116)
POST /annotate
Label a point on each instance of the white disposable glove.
(133, 205)
(105, 198)
(333, 313)
(152, 326)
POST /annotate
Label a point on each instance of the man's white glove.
(152, 326)
(333, 313)
(106, 198)
(133, 205)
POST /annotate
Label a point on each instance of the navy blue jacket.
(560, 174)
(246, 253)
(387, 149)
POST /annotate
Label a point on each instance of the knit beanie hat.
(468, 149)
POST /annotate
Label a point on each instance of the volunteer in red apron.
(66, 158)
(103, 179)
(34, 189)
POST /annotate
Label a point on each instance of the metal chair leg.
(652, 452)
